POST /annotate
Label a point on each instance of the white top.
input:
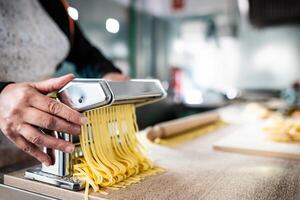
(31, 44)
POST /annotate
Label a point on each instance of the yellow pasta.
(113, 156)
(282, 129)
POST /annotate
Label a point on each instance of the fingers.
(56, 108)
(36, 137)
(44, 120)
(31, 150)
(16, 113)
(53, 84)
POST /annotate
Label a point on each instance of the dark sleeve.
(89, 61)
(3, 84)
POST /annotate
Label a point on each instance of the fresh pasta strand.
(113, 155)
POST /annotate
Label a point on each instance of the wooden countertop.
(196, 171)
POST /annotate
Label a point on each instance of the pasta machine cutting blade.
(88, 94)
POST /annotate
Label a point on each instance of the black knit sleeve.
(89, 61)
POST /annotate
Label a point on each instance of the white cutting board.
(249, 139)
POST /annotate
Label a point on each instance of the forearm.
(96, 66)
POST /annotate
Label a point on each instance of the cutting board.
(250, 139)
(16, 179)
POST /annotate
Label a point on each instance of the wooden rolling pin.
(178, 126)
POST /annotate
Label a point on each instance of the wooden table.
(196, 171)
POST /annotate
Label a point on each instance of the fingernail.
(84, 120)
(46, 163)
(70, 149)
(70, 74)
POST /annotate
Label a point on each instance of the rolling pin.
(178, 126)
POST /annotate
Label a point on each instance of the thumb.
(53, 84)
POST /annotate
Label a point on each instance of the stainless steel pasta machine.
(83, 95)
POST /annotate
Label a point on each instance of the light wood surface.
(250, 139)
(16, 179)
(196, 171)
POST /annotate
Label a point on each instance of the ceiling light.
(112, 25)
(73, 13)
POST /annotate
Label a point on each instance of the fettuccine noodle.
(113, 156)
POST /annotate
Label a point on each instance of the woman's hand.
(24, 107)
(113, 76)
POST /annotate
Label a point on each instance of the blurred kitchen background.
(207, 53)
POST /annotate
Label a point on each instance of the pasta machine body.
(83, 95)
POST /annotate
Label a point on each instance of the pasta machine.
(83, 95)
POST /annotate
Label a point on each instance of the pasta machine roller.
(83, 95)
